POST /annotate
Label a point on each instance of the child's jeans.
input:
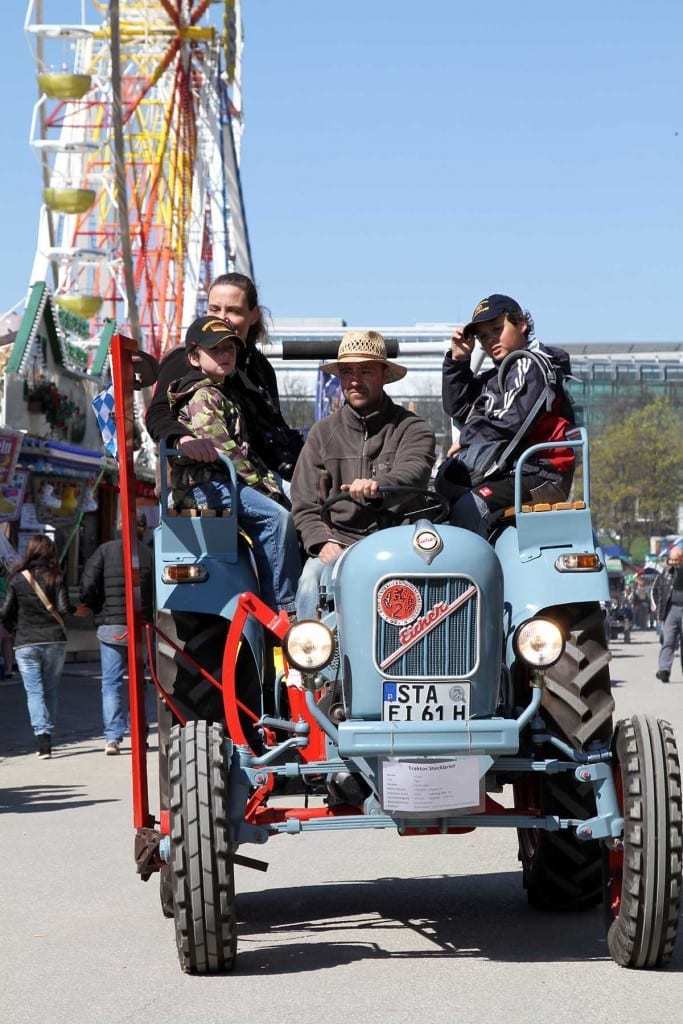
(272, 530)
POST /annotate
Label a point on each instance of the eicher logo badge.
(399, 602)
(429, 621)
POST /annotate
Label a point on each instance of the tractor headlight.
(308, 645)
(539, 642)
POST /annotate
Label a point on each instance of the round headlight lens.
(539, 642)
(309, 645)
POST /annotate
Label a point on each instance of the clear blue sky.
(403, 159)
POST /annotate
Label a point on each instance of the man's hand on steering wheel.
(361, 489)
(377, 502)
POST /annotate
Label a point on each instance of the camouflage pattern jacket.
(208, 411)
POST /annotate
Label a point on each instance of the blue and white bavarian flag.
(103, 405)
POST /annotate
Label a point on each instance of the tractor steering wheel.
(435, 508)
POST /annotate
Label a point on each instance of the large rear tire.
(642, 879)
(577, 695)
(202, 638)
(560, 872)
(201, 861)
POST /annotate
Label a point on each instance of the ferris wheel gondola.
(137, 128)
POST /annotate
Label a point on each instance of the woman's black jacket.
(23, 613)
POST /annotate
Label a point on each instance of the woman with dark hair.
(232, 297)
(33, 608)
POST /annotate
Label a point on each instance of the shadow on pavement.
(451, 918)
(34, 799)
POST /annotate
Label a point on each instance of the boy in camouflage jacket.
(202, 402)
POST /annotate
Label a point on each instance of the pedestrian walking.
(667, 596)
(33, 608)
(103, 589)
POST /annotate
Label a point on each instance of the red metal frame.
(250, 604)
(277, 623)
(122, 350)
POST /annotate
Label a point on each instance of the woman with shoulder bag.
(33, 607)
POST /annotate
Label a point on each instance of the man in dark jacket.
(103, 588)
(502, 412)
(370, 443)
(667, 596)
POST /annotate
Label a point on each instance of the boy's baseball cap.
(208, 331)
(490, 308)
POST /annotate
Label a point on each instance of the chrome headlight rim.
(308, 645)
(532, 654)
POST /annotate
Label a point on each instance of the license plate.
(425, 702)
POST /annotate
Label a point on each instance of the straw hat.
(364, 347)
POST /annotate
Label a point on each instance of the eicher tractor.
(443, 671)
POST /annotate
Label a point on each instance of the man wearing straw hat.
(368, 444)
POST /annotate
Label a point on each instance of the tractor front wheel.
(642, 875)
(201, 861)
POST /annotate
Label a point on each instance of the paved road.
(359, 927)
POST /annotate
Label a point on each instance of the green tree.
(637, 471)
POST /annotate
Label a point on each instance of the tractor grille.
(450, 606)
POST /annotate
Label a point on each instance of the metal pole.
(120, 171)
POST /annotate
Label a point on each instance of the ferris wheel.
(138, 128)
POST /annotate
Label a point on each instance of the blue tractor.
(442, 670)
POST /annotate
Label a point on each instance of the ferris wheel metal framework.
(138, 128)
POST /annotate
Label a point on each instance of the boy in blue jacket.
(501, 412)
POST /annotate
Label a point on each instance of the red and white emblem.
(427, 540)
(429, 621)
(399, 602)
